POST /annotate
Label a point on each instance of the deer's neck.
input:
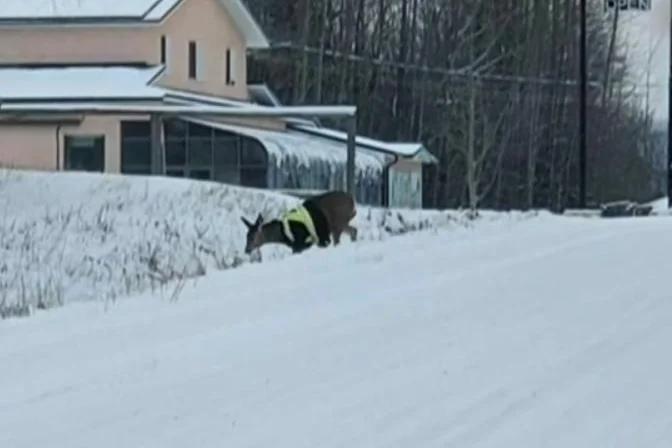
(274, 233)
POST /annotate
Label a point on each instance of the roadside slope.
(68, 237)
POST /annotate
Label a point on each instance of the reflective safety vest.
(302, 216)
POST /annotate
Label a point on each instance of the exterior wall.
(59, 45)
(28, 146)
(207, 23)
(106, 126)
(34, 146)
(405, 185)
(204, 21)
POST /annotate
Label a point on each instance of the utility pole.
(582, 110)
(645, 6)
(669, 122)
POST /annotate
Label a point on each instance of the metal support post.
(350, 168)
(157, 147)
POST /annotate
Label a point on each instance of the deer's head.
(255, 235)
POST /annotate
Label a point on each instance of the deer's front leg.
(324, 242)
(337, 238)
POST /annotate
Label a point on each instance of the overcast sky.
(649, 33)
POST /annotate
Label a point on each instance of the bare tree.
(411, 67)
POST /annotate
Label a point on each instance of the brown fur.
(339, 209)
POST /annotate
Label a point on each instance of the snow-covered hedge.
(71, 237)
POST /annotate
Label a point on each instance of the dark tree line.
(488, 85)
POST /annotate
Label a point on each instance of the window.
(200, 174)
(175, 129)
(84, 153)
(165, 53)
(254, 164)
(188, 150)
(201, 152)
(175, 173)
(226, 157)
(192, 60)
(253, 153)
(136, 147)
(176, 142)
(229, 68)
(176, 152)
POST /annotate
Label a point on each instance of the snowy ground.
(660, 206)
(549, 332)
(77, 237)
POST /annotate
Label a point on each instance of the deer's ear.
(246, 222)
(260, 219)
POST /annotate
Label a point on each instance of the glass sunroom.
(251, 157)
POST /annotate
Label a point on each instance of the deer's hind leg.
(336, 234)
(352, 231)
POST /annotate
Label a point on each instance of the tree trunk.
(323, 44)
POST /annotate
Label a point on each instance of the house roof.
(301, 148)
(79, 83)
(254, 35)
(131, 10)
(104, 12)
(120, 90)
(404, 150)
(114, 107)
(262, 94)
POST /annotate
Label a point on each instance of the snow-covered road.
(548, 332)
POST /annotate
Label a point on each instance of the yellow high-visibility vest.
(301, 216)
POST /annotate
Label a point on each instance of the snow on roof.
(82, 9)
(301, 147)
(210, 100)
(100, 107)
(262, 94)
(102, 11)
(40, 89)
(254, 35)
(161, 9)
(78, 83)
(406, 150)
(191, 98)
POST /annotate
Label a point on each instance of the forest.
(490, 87)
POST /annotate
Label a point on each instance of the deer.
(316, 221)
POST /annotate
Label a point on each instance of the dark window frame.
(164, 55)
(193, 60)
(244, 172)
(229, 77)
(99, 144)
(126, 139)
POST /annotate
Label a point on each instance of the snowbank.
(660, 207)
(68, 237)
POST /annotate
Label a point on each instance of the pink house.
(125, 86)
